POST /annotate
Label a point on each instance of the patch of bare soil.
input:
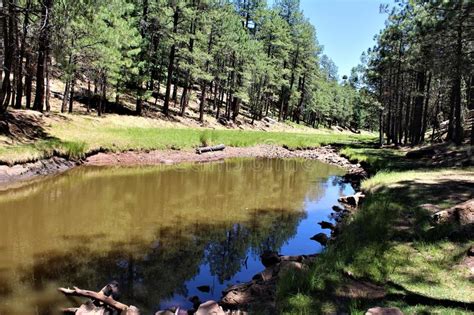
(325, 154)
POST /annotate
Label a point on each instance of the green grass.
(375, 158)
(79, 135)
(390, 241)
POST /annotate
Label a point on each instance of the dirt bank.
(11, 176)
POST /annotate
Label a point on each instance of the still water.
(160, 231)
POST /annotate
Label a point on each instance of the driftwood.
(102, 299)
(202, 150)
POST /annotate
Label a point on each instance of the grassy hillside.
(75, 135)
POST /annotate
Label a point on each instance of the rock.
(269, 120)
(210, 308)
(442, 216)
(292, 258)
(265, 275)
(321, 238)
(196, 302)
(223, 121)
(204, 288)
(462, 213)
(269, 258)
(337, 208)
(384, 311)
(326, 225)
(353, 200)
(251, 293)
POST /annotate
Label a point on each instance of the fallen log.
(202, 150)
(104, 296)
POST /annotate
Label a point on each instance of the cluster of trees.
(227, 54)
(421, 71)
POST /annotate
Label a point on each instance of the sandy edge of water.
(17, 175)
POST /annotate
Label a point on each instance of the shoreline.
(20, 174)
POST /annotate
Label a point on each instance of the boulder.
(269, 258)
(353, 200)
(443, 216)
(327, 225)
(292, 258)
(265, 275)
(337, 209)
(462, 213)
(246, 294)
(321, 238)
(269, 120)
(223, 121)
(210, 308)
(384, 311)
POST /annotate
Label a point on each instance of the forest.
(421, 72)
(226, 55)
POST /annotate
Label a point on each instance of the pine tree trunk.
(65, 97)
(470, 105)
(202, 103)
(43, 43)
(89, 95)
(425, 110)
(28, 80)
(47, 83)
(19, 87)
(418, 109)
(8, 59)
(71, 93)
(171, 64)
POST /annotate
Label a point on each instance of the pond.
(161, 232)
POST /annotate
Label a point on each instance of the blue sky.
(345, 27)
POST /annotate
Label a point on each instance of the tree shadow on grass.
(23, 126)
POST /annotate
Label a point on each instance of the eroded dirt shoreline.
(13, 176)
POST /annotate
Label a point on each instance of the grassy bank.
(75, 135)
(391, 242)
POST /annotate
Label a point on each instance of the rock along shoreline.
(19, 174)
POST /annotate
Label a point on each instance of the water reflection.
(161, 232)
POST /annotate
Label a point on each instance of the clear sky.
(345, 27)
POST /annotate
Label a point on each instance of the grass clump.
(206, 138)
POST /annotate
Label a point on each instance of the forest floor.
(389, 253)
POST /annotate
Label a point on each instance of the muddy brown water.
(161, 232)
